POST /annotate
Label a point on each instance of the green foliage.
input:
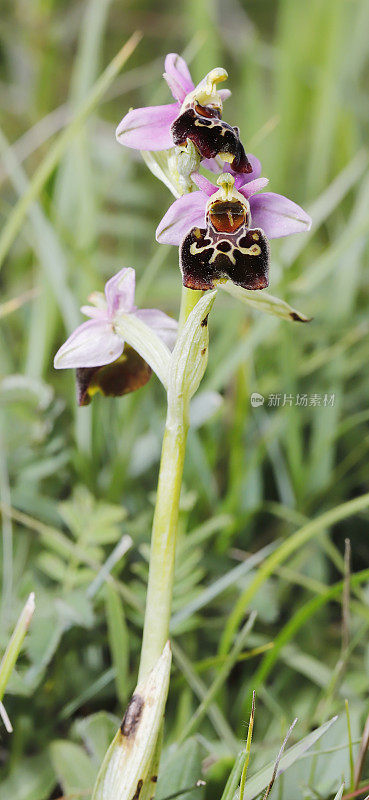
(263, 517)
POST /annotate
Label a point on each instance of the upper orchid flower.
(195, 116)
(101, 349)
(216, 223)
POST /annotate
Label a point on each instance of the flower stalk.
(163, 541)
(188, 364)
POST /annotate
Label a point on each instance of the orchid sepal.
(146, 342)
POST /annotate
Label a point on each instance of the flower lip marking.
(132, 716)
(227, 247)
(200, 121)
(211, 136)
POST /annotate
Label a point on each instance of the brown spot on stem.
(132, 716)
(154, 778)
(203, 351)
(298, 318)
(205, 321)
(138, 790)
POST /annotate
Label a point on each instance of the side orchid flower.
(112, 349)
(195, 117)
(223, 233)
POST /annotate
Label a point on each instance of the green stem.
(164, 531)
(163, 545)
(189, 298)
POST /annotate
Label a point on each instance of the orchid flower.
(195, 117)
(223, 233)
(275, 214)
(110, 354)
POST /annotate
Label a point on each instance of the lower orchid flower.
(223, 233)
(115, 351)
(195, 117)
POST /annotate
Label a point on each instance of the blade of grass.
(221, 585)
(298, 621)
(259, 781)
(248, 748)
(214, 713)
(220, 679)
(118, 641)
(279, 756)
(351, 753)
(7, 531)
(46, 244)
(47, 166)
(231, 786)
(13, 649)
(293, 543)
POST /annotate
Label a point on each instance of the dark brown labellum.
(125, 375)
(210, 135)
(226, 248)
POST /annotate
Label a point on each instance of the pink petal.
(245, 177)
(253, 187)
(211, 164)
(224, 94)
(204, 184)
(120, 291)
(184, 214)
(277, 216)
(256, 169)
(178, 76)
(148, 128)
(92, 344)
(94, 313)
(165, 327)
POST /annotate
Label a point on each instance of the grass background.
(253, 477)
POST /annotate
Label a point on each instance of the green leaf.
(32, 779)
(96, 732)
(190, 355)
(180, 768)
(118, 641)
(263, 301)
(92, 520)
(262, 778)
(73, 768)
